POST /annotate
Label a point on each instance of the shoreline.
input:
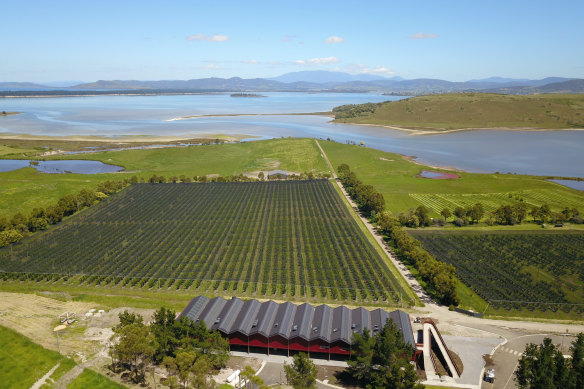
(126, 138)
(436, 131)
(412, 159)
(326, 114)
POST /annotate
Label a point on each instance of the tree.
(446, 213)
(476, 213)
(382, 361)
(135, 347)
(185, 361)
(422, 214)
(302, 373)
(251, 379)
(261, 176)
(544, 366)
(459, 212)
(520, 210)
(164, 328)
(361, 364)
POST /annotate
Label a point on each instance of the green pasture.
(479, 110)
(397, 179)
(90, 379)
(23, 362)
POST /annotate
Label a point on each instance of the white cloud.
(364, 69)
(203, 37)
(421, 35)
(251, 61)
(211, 66)
(288, 38)
(334, 39)
(317, 61)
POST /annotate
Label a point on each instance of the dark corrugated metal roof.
(292, 321)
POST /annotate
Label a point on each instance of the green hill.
(470, 111)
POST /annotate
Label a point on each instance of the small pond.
(578, 185)
(438, 175)
(59, 167)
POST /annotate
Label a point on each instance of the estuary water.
(554, 153)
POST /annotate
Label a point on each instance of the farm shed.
(283, 327)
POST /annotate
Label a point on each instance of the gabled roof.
(292, 321)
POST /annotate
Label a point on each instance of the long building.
(286, 326)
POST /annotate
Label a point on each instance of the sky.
(47, 41)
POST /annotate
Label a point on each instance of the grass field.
(479, 110)
(25, 189)
(520, 270)
(23, 362)
(90, 379)
(397, 179)
(292, 239)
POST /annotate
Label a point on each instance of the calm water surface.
(558, 153)
(60, 167)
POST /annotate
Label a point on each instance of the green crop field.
(530, 270)
(262, 239)
(397, 179)
(472, 110)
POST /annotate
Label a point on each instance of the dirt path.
(453, 322)
(44, 378)
(403, 270)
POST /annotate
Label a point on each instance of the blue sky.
(151, 40)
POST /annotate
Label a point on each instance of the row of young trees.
(504, 215)
(438, 277)
(234, 178)
(369, 200)
(188, 351)
(544, 367)
(18, 226)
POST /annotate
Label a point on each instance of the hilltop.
(305, 81)
(470, 111)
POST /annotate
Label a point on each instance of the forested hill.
(472, 111)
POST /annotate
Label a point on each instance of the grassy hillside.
(471, 110)
(396, 178)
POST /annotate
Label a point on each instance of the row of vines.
(516, 270)
(289, 238)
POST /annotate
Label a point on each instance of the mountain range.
(315, 81)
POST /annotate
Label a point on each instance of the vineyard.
(557, 198)
(541, 270)
(273, 239)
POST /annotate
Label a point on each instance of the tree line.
(504, 215)
(18, 226)
(438, 278)
(369, 200)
